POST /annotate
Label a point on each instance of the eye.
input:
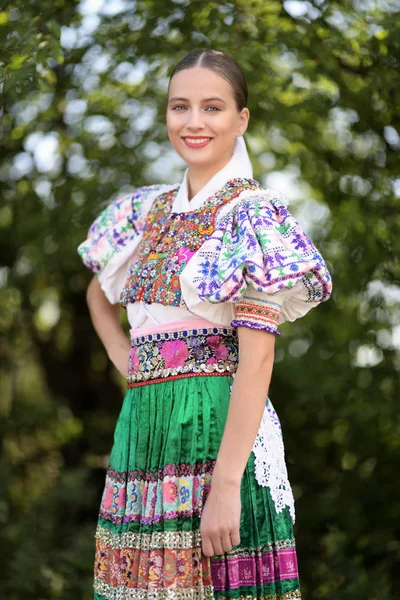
(213, 108)
(178, 107)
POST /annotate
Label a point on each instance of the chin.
(199, 161)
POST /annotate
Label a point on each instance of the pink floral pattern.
(134, 359)
(178, 491)
(170, 490)
(210, 351)
(174, 353)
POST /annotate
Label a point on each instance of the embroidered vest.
(169, 241)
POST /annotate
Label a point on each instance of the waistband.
(171, 326)
(189, 348)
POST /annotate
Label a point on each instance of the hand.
(119, 356)
(220, 520)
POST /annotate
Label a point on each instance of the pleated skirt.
(166, 440)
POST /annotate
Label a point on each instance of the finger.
(217, 544)
(226, 542)
(207, 546)
(235, 538)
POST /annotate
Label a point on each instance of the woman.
(197, 503)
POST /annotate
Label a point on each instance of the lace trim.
(270, 466)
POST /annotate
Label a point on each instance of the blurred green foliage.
(83, 97)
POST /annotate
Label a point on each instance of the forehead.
(200, 82)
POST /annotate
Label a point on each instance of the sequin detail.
(195, 593)
(175, 561)
(169, 241)
(203, 593)
(171, 539)
(209, 351)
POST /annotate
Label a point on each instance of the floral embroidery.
(193, 352)
(170, 491)
(174, 353)
(134, 359)
(172, 497)
(117, 226)
(169, 241)
(127, 571)
(259, 243)
(184, 564)
(208, 351)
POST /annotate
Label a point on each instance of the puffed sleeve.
(259, 259)
(114, 236)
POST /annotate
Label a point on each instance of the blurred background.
(83, 102)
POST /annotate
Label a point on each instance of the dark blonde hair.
(223, 65)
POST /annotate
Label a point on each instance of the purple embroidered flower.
(174, 353)
(194, 341)
(200, 352)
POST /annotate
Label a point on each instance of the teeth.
(197, 141)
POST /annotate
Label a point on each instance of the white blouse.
(141, 314)
(264, 270)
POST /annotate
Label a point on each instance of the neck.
(198, 177)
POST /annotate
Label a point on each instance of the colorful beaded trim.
(208, 351)
(251, 314)
(186, 568)
(154, 500)
(198, 593)
(173, 539)
(169, 241)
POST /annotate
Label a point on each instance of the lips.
(196, 142)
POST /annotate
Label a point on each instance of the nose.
(195, 120)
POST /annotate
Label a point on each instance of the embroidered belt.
(173, 355)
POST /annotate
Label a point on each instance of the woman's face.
(202, 118)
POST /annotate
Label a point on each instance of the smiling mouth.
(196, 142)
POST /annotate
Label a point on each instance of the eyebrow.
(213, 99)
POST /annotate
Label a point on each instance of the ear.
(244, 117)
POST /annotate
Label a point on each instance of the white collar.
(238, 166)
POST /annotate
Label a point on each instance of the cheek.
(174, 123)
(226, 125)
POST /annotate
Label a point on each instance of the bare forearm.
(106, 320)
(246, 407)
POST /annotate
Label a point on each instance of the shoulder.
(261, 199)
(119, 225)
(128, 208)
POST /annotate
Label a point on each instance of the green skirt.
(166, 441)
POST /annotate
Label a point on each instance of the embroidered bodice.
(233, 254)
(169, 240)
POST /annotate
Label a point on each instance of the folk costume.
(189, 273)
